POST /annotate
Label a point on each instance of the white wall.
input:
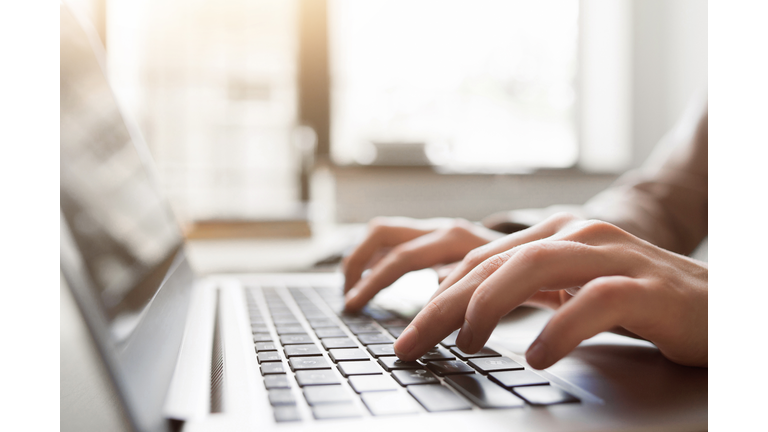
(669, 66)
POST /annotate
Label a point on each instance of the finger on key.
(443, 314)
(542, 265)
(422, 252)
(380, 236)
(600, 305)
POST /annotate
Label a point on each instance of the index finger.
(443, 314)
(422, 252)
(380, 236)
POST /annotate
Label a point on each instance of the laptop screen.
(121, 225)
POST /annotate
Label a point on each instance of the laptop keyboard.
(332, 360)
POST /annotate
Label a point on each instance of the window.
(480, 86)
(213, 86)
(488, 86)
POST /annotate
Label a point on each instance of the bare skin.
(619, 281)
(395, 246)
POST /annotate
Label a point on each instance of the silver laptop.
(245, 352)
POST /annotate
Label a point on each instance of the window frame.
(603, 84)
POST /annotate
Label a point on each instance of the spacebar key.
(483, 392)
(435, 397)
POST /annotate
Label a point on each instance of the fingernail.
(350, 294)
(349, 300)
(465, 336)
(407, 340)
(537, 355)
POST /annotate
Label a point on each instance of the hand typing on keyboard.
(395, 246)
(597, 276)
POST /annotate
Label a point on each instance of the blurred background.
(265, 109)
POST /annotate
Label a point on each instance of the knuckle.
(475, 257)
(604, 291)
(377, 223)
(400, 255)
(533, 253)
(595, 227)
(484, 300)
(561, 218)
(490, 265)
(459, 227)
(439, 310)
(434, 309)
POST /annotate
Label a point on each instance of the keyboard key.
(544, 395)
(414, 377)
(449, 367)
(483, 392)
(394, 363)
(356, 319)
(368, 383)
(304, 363)
(265, 346)
(302, 350)
(316, 377)
(280, 310)
(390, 403)
(269, 356)
(450, 341)
(484, 352)
(295, 339)
(381, 350)
(276, 382)
(285, 320)
(316, 395)
(396, 331)
(336, 306)
(286, 414)
(283, 329)
(335, 411)
(343, 342)
(359, 368)
(330, 332)
(272, 368)
(393, 322)
(314, 313)
(493, 364)
(437, 398)
(347, 354)
(364, 328)
(279, 397)
(378, 314)
(259, 329)
(517, 378)
(375, 338)
(317, 323)
(437, 353)
(262, 337)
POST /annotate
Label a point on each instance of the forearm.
(664, 202)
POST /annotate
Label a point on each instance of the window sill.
(363, 192)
